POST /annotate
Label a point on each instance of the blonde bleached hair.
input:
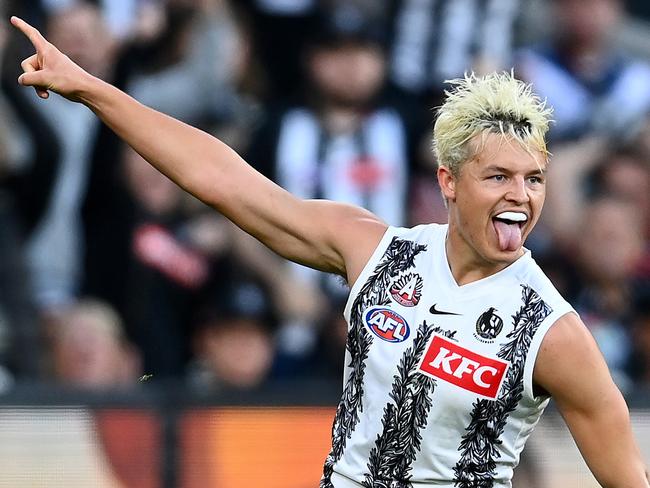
(496, 103)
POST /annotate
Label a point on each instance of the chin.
(511, 256)
(497, 256)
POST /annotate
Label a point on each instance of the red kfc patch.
(468, 370)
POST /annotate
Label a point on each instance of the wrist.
(88, 91)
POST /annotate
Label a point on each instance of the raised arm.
(329, 236)
(570, 367)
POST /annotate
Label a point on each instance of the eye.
(498, 178)
(535, 180)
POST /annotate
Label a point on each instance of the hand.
(49, 69)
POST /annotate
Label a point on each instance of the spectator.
(608, 245)
(432, 41)
(592, 86)
(592, 167)
(626, 174)
(161, 249)
(28, 161)
(55, 250)
(201, 58)
(146, 267)
(343, 141)
(233, 338)
(89, 348)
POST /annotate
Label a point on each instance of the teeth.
(513, 216)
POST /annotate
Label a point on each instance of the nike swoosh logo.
(435, 311)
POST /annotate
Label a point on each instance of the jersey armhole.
(533, 351)
(368, 269)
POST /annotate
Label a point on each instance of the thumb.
(37, 80)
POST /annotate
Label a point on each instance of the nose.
(517, 191)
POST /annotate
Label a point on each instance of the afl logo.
(407, 290)
(488, 325)
(386, 324)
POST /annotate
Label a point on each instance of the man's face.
(618, 224)
(588, 20)
(495, 201)
(81, 32)
(349, 73)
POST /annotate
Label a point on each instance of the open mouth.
(508, 227)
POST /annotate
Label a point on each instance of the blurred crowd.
(110, 274)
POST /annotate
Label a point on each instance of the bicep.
(325, 235)
(571, 368)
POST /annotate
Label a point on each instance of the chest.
(464, 341)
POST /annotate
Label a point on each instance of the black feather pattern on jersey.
(398, 257)
(480, 444)
(396, 447)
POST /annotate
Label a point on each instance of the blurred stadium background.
(146, 342)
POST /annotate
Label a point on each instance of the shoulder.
(424, 233)
(380, 238)
(568, 357)
(354, 231)
(566, 331)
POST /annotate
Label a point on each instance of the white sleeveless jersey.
(438, 384)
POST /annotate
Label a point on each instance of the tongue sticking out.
(509, 235)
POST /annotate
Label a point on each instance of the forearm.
(612, 455)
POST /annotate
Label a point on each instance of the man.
(596, 87)
(344, 139)
(451, 355)
(54, 250)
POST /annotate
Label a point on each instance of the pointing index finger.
(32, 33)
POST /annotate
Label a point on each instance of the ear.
(447, 183)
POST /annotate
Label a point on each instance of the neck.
(465, 263)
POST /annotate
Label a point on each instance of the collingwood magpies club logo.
(488, 325)
(407, 290)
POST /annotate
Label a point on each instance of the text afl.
(387, 324)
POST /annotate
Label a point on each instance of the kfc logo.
(386, 324)
(455, 364)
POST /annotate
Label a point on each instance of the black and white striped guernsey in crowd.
(438, 380)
